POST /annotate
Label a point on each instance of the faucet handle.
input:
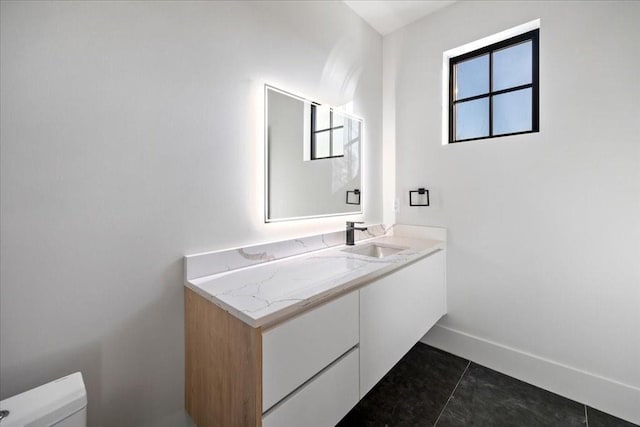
(354, 222)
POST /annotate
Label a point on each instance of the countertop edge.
(307, 303)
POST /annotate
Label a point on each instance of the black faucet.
(350, 231)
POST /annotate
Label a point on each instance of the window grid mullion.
(330, 133)
(497, 92)
(491, 93)
(472, 98)
(313, 132)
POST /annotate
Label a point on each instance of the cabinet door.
(395, 312)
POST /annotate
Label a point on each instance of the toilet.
(60, 403)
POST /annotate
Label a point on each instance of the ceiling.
(386, 16)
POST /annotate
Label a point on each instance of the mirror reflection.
(313, 158)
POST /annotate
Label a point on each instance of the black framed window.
(494, 91)
(327, 133)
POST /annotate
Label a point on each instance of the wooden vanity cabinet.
(311, 369)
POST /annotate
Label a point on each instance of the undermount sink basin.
(374, 250)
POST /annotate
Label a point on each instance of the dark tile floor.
(430, 387)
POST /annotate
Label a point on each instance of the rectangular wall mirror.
(313, 159)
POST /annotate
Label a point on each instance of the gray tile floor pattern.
(430, 387)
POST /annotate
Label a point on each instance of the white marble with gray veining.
(204, 264)
(263, 294)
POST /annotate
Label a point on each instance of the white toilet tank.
(60, 403)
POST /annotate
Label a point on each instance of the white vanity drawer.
(323, 401)
(299, 348)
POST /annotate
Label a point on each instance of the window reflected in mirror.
(327, 133)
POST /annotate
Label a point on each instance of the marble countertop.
(267, 293)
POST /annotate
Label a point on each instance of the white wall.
(544, 229)
(131, 135)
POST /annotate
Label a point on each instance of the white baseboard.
(607, 395)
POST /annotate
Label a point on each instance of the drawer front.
(298, 349)
(323, 401)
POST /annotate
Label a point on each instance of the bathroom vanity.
(300, 340)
